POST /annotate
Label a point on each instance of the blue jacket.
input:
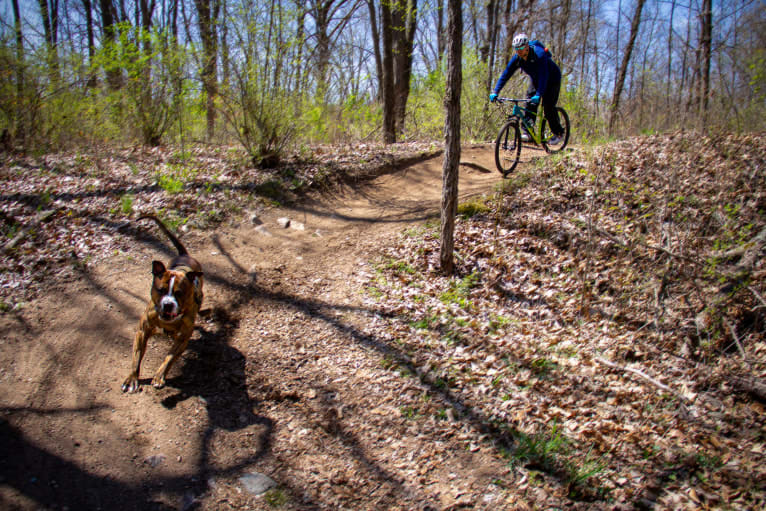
(539, 66)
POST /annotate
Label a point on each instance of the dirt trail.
(283, 379)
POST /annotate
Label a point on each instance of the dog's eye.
(162, 290)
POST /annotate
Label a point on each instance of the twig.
(644, 376)
(757, 295)
(735, 337)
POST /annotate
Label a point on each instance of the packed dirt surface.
(282, 383)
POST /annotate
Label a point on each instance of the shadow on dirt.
(214, 372)
(53, 482)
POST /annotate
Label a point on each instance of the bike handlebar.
(511, 100)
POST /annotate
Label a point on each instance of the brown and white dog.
(176, 300)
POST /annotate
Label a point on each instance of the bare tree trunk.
(87, 6)
(493, 11)
(487, 42)
(376, 45)
(207, 12)
(113, 74)
(440, 38)
(585, 38)
(300, 65)
(451, 136)
(560, 31)
(685, 74)
(321, 13)
(50, 18)
(670, 55)
(225, 58)
(706, 43)
(404, 23)
(389, 118)
(620, 83)
(18, 129)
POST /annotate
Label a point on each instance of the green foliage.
(476, 206)
(260, 117)
(399, 266)
(585, 125)
(175, 179)
(460, 290)
(22, 92)
(354, 119)
(275, 497)
(550, 451)
(540, 449)
(126, 203)
(425, 107)
(151, 65)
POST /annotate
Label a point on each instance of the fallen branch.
(41, 217)
(748, 251)
(644, 376)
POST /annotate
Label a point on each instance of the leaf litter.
(607, 315)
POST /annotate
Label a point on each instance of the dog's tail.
(179, 246)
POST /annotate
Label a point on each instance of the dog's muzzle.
(168, 308)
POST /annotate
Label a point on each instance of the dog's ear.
(193, 276)
(158, 269)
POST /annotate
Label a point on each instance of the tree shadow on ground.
(214, 371)
(51, 481)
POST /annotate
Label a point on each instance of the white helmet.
(520, 41)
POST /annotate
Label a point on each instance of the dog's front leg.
(144, 332)
(180, 342)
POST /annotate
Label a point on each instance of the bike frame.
(519, 113)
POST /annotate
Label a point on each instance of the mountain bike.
(508, 143)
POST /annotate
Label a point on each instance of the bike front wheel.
(546, 134)
(508, 147)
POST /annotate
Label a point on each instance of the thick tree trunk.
(451, 136)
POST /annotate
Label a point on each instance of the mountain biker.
(536, 62)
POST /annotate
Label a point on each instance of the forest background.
(277, 75)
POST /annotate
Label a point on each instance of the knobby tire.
(508, 147)
(545, 133)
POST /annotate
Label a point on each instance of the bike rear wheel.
(546, 134)
(508, 147)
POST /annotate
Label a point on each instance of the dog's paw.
(158, 382)
(131, 385)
